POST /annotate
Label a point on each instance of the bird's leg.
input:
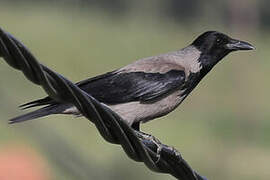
(148, 137)
(136, 126)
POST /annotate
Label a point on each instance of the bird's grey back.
(185, 59)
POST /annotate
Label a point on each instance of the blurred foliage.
(181, 11)
(222, 129)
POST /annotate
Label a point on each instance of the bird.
(150, 87)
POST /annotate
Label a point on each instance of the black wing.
(114, 88)
(133, 86)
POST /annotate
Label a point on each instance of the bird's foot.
(149, 137)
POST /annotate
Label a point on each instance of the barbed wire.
(137, 145)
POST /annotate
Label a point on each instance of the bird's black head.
(215, 45)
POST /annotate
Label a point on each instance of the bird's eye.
(218, 40)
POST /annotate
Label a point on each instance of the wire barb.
(137, 145)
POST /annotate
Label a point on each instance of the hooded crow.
(150, 87)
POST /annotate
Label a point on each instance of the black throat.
(207, 60)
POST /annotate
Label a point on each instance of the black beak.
(235, 45)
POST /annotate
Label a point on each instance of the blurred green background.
(222, 129)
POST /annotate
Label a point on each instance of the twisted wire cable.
(149, 150)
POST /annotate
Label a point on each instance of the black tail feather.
(35, 114)
(39, 102)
